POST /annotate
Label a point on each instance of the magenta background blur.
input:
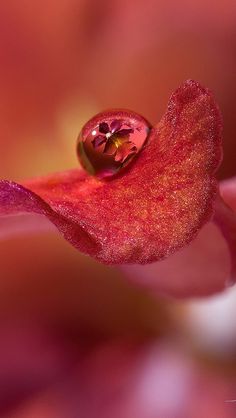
(76, 339)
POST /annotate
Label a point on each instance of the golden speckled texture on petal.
(156, 206)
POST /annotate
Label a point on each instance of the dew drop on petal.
(111, 140)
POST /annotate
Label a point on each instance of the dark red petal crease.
(155, 207)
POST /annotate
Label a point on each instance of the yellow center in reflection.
(117, 142)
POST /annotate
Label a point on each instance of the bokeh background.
(77, 340)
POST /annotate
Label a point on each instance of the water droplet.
(111, 140)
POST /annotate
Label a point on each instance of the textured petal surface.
(204, 267)
(155, 207)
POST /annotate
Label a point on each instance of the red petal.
(200, 269)
(225, 219)
(207, 265)
(228, 192)
(154, 208)
(25, 223)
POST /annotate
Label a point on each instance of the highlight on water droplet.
(111, 140)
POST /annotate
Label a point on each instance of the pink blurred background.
(72, 331)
